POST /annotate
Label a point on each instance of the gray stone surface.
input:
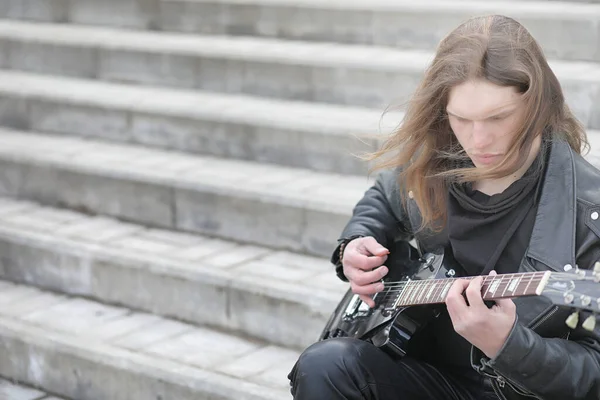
(146, 336)
(220, 201)
(327, 73)
(74, 315)
(82, 368)
(37, 10)
(257, 291)
(11, 391)
(203, 348)
(387, 22)
(322, 137)
(123, 13)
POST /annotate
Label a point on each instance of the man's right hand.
(363, 266)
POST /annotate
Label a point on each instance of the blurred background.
(174, 175)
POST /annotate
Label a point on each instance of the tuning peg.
(569, 298)
(590, 323)
(586, 300)
(597, 267)
(573, 320)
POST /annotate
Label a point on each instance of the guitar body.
(385, 325)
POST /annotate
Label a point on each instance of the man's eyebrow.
(500, 113)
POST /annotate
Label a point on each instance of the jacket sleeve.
(553, 368)
(379, 213)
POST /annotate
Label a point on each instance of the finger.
(455, 301)
(369, 289)
(364, 278)
(505, 305)
(363, 262)
(370, 246)
(370, 302)
(473, 293)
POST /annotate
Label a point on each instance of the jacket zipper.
(546, 317)
(502, 381)
(498, 392)
(499, 381)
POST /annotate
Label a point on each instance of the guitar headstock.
(578, 289)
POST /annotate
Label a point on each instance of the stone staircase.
(175, 173)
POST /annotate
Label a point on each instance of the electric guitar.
(415, 285)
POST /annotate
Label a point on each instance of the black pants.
(356, 370)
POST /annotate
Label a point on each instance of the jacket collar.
(553, 236)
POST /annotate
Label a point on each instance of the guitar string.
(394, 293)
(553, 277)
(401, 285)
(486, 278)
(396, 289)
(391, 293)
(576, 294)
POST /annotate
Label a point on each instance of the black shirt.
(485, 233)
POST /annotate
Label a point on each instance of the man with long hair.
(487, 163)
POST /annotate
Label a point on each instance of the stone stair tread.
(199, 358)
(13, 391)
(530, 6)
(251, 48)
(182, 261)
(286, 208)
(230, 47)
(199, 257)
(296, 186)
(323, 118)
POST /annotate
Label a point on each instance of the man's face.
(484, 118)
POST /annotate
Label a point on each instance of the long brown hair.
(500, 50)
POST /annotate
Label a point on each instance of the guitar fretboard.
(434, 291)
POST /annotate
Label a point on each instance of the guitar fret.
(409, 289)
(414, 292)
(439, 290)
(484, 296)
(514, 284)
(399, 297)
(494, 285)
(529, 283)
(439, 286)
(507, 277)
(420, 296)
(415, 295)
(445, 291)
(430, 291)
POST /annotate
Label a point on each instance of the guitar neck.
(434, 291)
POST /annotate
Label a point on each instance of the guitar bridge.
(356, 308)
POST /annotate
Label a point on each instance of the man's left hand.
(485, 328)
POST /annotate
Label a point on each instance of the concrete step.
(286, 208)
(276, 296)
(567, 30)
(14, 391)
(317, 72)
(86, 350)
(321, 137)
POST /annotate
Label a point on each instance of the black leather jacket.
(542, 358)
